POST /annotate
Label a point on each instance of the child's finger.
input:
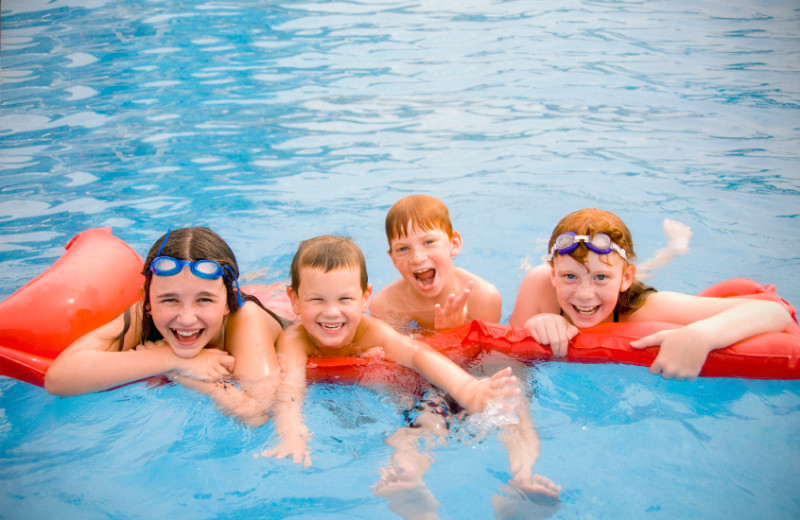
(653, 340)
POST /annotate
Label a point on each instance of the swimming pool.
(274, 123)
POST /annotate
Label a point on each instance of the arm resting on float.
(89, 366)
(250, 334)
(711, 323)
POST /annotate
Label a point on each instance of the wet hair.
(193, 243)
(589, 222)
(328, 252)
(421, 211)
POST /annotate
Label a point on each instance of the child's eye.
(601, 277)
(570, 276)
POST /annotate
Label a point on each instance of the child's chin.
(186, 353)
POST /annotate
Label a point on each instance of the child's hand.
(553, 330)
(209, 365)
(376, 353)
(295, 447)
(454, 312)
(681, 355)
(501, 388)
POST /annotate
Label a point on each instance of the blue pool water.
(272, 122)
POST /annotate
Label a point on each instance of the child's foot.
(537, 488)
(533, 498)
(407, 494)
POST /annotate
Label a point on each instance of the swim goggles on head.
(205, 269)
(600, 243)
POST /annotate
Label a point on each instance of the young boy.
(330, 292)
(435, 295)
(431, 291)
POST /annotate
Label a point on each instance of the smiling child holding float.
(191, 324)
(589, 278)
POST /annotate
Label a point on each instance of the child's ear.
(141, 299)
(293, 300)
(628, 276)
(455, 244)
(365, 298)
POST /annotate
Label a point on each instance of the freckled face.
(588, 297)
(330, 305)
(425, 259)
(188, 311)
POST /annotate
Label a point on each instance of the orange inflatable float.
(99, 276)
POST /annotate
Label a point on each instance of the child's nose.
(585, 289)
(187, 315)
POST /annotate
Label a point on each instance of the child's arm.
(537, 309)
(250, 335)
(523, 445)
(711, 323)
(88, 366)
(288, 409)
(473, 394)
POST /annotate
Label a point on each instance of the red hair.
(591, 221)
(421, 211)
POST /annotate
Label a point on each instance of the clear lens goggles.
(168, 266)
(205, 269)
(600, 243)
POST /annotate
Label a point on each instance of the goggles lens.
(168, 266)
(600, 243)
(206, 269)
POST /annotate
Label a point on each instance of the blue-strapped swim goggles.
(205, 269)
(600, 243)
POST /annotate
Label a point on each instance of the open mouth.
(331, 326)
(425, 276)
(187, 336)
(586, 311)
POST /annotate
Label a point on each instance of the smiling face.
(330, 304)
(424, 258)
(588, 293)
(188, 311)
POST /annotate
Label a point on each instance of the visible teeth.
(186, 334)
(332, 326)
(585, 310)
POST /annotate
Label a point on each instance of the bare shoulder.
(536, 295)
(251, 316)
(294, 338)
(485, 302)
(381, 303)
(480, 286)
(372, 332)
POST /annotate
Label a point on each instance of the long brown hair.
(192, 243)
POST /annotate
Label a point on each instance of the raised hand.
(454, 312)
